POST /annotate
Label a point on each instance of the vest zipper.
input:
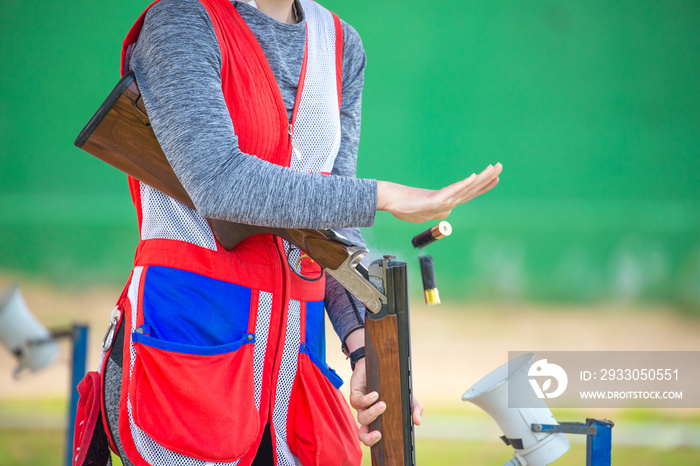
(296, 153)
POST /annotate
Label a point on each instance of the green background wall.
(592, 107)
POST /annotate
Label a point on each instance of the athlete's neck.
(281, 10)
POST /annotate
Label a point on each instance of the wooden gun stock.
(120, 134)
(388, 363)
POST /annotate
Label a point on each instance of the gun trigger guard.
(348, 276)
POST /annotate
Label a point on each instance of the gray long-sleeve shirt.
(177, 62)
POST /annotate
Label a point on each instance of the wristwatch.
(356, 355)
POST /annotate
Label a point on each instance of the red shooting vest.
(196, 404)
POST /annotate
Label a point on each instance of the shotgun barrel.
(388, 363)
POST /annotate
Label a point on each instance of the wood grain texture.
(124, 139)
(384, 376)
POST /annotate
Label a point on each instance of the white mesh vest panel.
(133, 295)
(317, 125)
(262, 332)
(166, 218)
(285, 381)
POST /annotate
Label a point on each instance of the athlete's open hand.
(366, 410)
(421, 205)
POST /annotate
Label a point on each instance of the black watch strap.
(356, 355)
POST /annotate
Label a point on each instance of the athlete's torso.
(236, 336)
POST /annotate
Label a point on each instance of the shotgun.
(120, 134)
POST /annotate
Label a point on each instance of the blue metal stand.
(599, 438)
(599, 445)
(79, 364)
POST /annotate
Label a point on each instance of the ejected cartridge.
(440, 230)
(427, 271)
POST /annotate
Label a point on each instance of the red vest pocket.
(320, 427)
(196, 401)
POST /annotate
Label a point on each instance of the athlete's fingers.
(417, 411)
(366, 416)
(452, 195)
(482, 185)
(484, 178)
(360, 400)
(369, 438)
(489, 187)
(483, 190)
(454, 189)
(475, 187)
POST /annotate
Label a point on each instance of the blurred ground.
(453, 345)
